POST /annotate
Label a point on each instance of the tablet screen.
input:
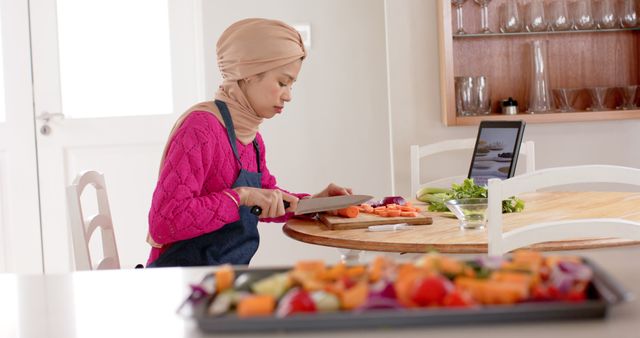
(496, 151)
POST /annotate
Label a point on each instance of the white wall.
(416, 108)
(336, 128)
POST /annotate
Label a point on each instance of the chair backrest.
(83, 228)
(527, 149)
(501, 243)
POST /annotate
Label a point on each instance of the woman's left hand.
(333, 190)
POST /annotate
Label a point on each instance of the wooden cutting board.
(365, 220)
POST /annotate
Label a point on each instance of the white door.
(109, 78)
(20, 249)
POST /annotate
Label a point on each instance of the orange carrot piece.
(382, 208)
(224, 277)
(394, 213)
(258, 305)
(349, 212)
(381, 213)
(409, 214)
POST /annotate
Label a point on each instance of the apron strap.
(257, 149)
(231, 133)
(228, 123)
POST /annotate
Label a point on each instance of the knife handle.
(256, 210)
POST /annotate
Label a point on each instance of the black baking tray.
(603, 292)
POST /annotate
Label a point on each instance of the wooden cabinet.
(576, 59)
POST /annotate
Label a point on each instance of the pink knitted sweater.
(189, 198)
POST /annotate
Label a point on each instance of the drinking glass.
(607, 16)
(536, 21)
(482, 94)
(598, 96)
(510, 21)
(459, 4)
(582, 15)
(629, 97)
(559, 16)
(565, 98)
(484, 15)
(629, 16)
(465, 105)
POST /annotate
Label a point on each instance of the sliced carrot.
(355, 296)
(382, 213)
(406, 208)
(259, 305)
(224, 277)
(418, 209)
(380, 208)
(349, 212)
(409, 214)
(393, 213)
(392, 206)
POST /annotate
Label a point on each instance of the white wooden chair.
(83, 228)
(501, 243)
(527, 149)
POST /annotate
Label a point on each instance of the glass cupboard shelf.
(486, 35)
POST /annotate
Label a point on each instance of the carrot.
(355, 296)
(406, 208)
(224, 277)
(393, 213)
(349, 212)
(417, 209)
(380, 208)
(409, 214)
(381, 213)
(261, 305)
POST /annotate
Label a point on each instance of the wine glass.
(510, 21)
(583, 15)
(459, 4)
(559, 16)
(536, 21)
(484, 15)
(629, 15)
(607, 16)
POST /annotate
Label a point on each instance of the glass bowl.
(472, 212)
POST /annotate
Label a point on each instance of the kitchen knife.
(309, 205)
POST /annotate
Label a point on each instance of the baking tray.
(603, 292)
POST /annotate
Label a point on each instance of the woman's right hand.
(270, 200)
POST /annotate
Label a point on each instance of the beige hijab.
(246, 48)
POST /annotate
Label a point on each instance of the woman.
(213, 168)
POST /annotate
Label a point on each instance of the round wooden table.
(445, 235)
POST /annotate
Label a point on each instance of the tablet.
(496, 152)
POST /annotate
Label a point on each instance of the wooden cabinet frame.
(577, 59)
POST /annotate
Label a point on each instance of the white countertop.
(142, 303)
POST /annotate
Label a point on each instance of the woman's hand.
(270, 200)
(333, 190)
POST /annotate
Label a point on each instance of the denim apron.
(234, 243)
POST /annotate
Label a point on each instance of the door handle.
(47, 116)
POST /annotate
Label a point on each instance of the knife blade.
(309, 205)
